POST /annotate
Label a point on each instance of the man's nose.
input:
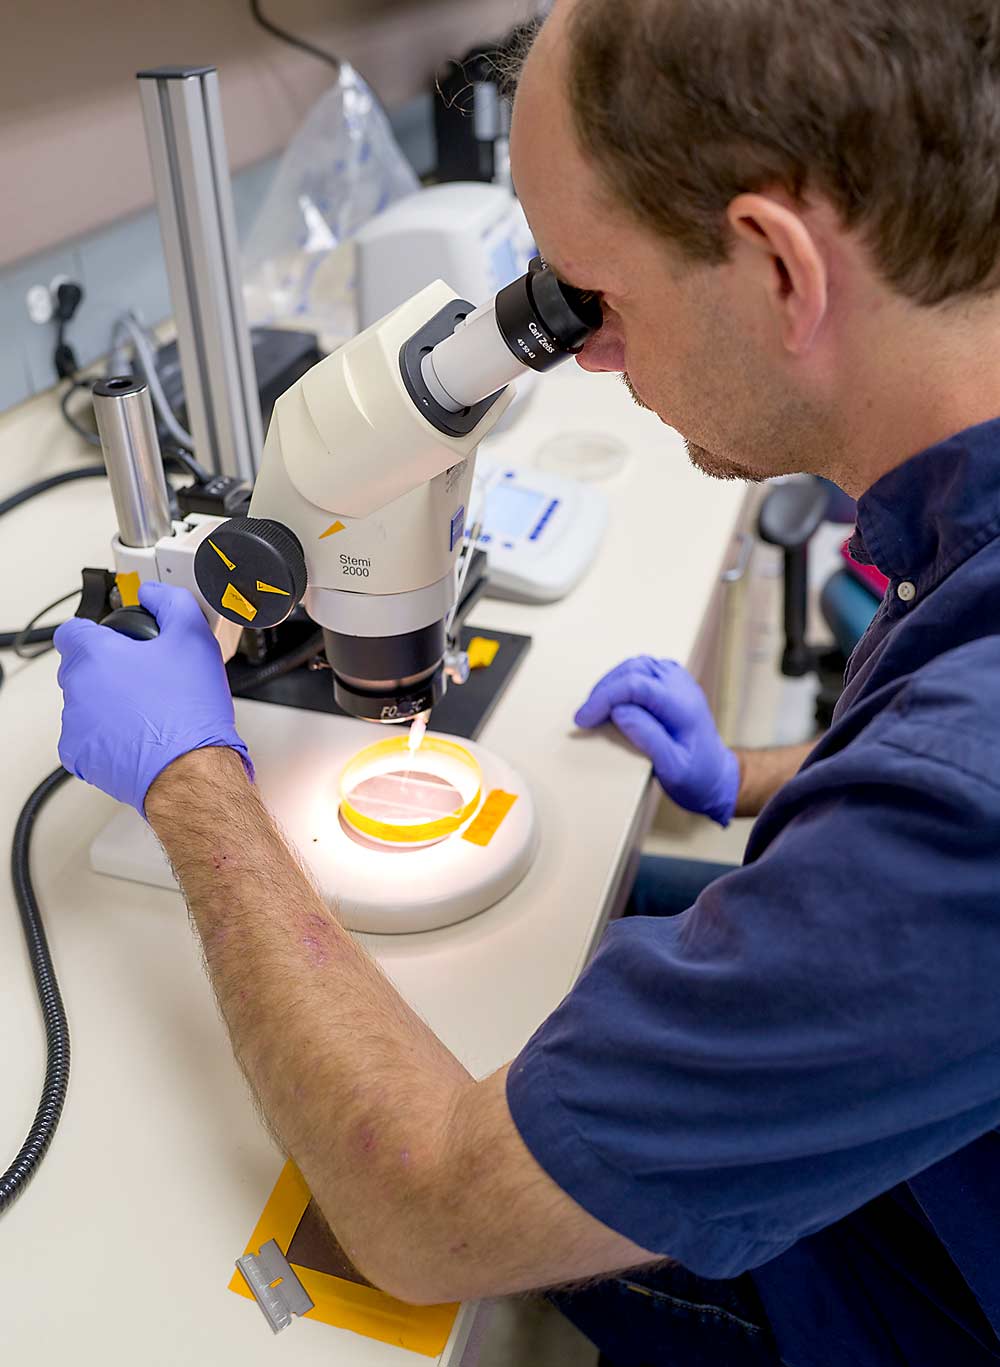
(605, 350)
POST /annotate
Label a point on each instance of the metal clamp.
(276, 1288)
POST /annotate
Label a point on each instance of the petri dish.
(398, 798)
(588, 456)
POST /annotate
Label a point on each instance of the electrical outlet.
(31, 343)
(41, 304)
(41, 300)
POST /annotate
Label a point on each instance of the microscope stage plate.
(299, 757)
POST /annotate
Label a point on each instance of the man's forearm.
(356, 1086)
(418, 1168)
(763, 772)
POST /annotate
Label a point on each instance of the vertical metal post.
(132, 456)
(183, 119)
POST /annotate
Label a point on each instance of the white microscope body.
(360, 506)
(377, 496)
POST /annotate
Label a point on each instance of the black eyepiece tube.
(542, 321)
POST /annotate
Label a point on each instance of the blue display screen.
(512, 511)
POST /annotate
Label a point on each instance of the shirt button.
(906, 591)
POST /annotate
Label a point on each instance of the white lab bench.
(122, 1248)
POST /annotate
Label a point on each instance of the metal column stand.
(183, 119)
(132, 456)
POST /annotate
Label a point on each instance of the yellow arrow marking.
(128, 588)
(332, 530)
(224, 558)
(269, 588)
(235, 602)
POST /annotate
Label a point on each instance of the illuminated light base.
(387, 888)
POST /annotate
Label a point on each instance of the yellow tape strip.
(235, 602)
(128, 587)
(482, 652)
(345, 1305)
(491, 818)
(404, 834)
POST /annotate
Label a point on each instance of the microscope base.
(299, 758)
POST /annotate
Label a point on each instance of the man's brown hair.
(890, 109)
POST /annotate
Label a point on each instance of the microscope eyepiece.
(534, 323)
(542, 321)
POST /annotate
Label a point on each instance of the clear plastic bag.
(341, 168)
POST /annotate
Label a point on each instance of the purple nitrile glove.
(657, 705)
(130, 708)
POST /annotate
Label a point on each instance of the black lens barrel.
(388, 678)
(543, 321)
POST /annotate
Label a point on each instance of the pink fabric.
(868, 575)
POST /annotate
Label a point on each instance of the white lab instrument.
(541, 531)
(475, 236)
(300, 759)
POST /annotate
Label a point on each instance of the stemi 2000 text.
(356, 565)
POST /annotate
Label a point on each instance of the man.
(791, 212)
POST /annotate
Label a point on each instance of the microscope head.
(360, 507)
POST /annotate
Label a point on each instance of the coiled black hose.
(43, 1127)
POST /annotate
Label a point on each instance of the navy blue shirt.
(800, 1075)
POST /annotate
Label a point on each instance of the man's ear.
(791, 266)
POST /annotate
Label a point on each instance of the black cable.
(51, 482)
(91, 438)
(245, 678)
(43, 1127)
(69, 296)
(27, 638)
(21, 638)
(185, 458)
(32, 635)
(302, 43)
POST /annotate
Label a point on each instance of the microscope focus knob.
(252, 571)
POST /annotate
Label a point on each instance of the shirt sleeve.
(822, 1024)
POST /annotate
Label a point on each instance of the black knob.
(134, 622)
(252, 571)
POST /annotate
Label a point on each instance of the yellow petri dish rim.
(404, 833)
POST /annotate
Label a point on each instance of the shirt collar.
(921, 520)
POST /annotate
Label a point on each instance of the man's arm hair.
(418, 1168)
(763, 772)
